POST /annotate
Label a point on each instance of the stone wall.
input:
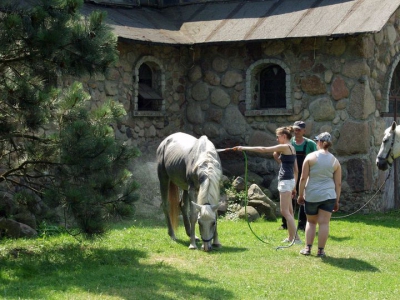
(338, 85)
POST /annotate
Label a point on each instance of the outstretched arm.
(277, 148)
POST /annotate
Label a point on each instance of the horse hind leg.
(171, 209)
(166, 190)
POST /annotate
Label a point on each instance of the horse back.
(173, 156)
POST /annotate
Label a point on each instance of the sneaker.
(305, 251)
(296, 241)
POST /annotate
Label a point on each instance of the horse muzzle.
(207, 245)
(382, 163)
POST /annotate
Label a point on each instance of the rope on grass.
(345, 216)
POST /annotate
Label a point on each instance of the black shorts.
(311, 208)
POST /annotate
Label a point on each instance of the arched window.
(149, 98)
(149, 85)
(394, 92)
(268, 88)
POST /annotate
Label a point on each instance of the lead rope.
(246, 200)
(345, 216)
(245, 210)
(297, 229)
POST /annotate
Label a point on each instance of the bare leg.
(287, 212)
(323, 227)
(311, 228)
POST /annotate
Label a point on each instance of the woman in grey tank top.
(319, 190)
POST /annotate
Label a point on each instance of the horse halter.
(390, 152)
(210, 239)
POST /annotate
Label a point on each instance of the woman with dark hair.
(319, 190)
(287, 176)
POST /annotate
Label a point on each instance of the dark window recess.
(273, 87)
(392, 105)
(148, 98)
(149, 2)
(394, 95)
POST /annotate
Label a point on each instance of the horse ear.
(215, 206)
(394, 125)
(197, 206)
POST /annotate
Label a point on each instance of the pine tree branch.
(23, 166)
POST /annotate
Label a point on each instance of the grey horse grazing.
(192, 165)
(390, 147)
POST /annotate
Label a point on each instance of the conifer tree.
(53, 147)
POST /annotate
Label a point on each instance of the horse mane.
(209, 168)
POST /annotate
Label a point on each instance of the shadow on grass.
(224, 249)
(351, 264)
(119, 273)
(340, 239)
(389, 219)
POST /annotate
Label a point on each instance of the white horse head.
(390, 147)
(207, 220)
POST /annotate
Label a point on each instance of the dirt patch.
(144, 170)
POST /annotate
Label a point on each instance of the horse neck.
(209, 167)
(209, 188)
(396, 145)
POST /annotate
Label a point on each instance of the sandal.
(306, 250)
(321, 252)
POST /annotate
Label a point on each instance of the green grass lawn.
(137, 260)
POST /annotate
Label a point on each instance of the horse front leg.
(185, 209)
(216, 243)
(193, 219)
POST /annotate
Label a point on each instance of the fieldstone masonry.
(338, 85)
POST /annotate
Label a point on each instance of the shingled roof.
(234, 21)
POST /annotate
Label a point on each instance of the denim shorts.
(286, 185)
(311, 208)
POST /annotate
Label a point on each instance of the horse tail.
(173, 199)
